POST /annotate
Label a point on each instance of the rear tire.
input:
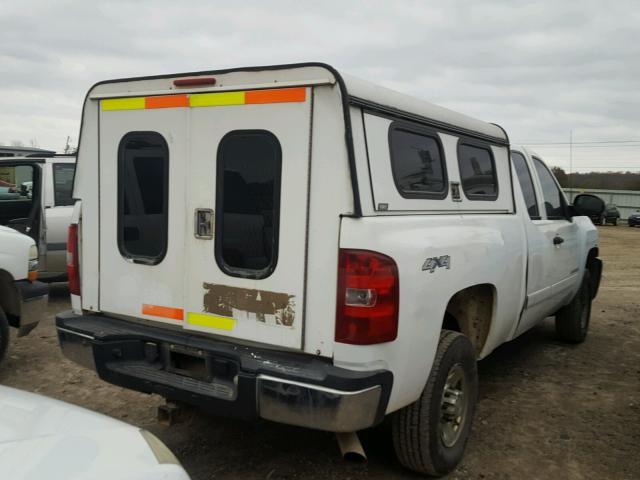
(4, 334)
(572, 321)
(615, 222)
(430, 435)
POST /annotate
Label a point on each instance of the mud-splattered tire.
(424, 435)
(572, 321)
(4, 334)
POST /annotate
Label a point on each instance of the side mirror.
(588, 205)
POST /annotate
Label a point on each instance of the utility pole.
(571, 194)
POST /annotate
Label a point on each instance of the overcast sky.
(540, 69)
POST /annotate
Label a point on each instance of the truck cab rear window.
(526, 184)
(248, 203)
(477, 172)
(551, 194)
(417, 163)
(63, 183)
(143, 190)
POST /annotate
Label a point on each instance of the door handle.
(557, 240)
(203, 223)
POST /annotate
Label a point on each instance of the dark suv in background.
(634, 219)
(611, 215)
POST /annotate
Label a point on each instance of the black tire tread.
(410, 441)
(568, 317)
(4, 334)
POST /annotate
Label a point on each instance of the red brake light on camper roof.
(194, 82)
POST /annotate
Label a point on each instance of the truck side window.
(143, 191)
(417, 163)
(553, 203)
(477, 171)
(248, 203)
(63, 183)
(526, 184)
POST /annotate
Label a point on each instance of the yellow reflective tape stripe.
(135, 103)
(216, 99)
(211, 321)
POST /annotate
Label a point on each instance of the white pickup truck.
(23, 300)
(35, 199)
(293, 244)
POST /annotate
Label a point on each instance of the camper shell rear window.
(143, 197)
(248, 173)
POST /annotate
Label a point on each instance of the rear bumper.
(34, 297)
(225, 378)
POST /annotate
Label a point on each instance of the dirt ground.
(546, 410)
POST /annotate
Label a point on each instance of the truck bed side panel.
(483, 249)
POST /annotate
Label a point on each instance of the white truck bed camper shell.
(293, 244)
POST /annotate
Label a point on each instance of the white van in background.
(35, 199)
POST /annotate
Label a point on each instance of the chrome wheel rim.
(454, 406)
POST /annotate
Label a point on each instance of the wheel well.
(470, 312)
(9, 299)
(594, 265)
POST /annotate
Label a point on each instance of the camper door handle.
(557, 240)
(203, 223)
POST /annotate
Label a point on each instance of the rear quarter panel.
(484, 249)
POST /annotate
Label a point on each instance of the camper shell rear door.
(247, 198)
(203, 205)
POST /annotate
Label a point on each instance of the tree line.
(598, 180)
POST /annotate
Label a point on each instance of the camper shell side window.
(143, 197)
(477, 170)
(248, 174)
(417, 161)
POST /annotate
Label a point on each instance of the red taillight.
(368, 292)
(73, 269)
(194, 82)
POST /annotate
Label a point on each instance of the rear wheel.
(4, 334)
(615, 222)
(572, 321)
(429, 436)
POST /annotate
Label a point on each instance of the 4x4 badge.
(432, 263)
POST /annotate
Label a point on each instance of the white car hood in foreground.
(45, 439)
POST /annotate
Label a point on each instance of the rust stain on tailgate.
(268, 307)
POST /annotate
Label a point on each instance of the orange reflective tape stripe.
(165, 312)
(279, 95)
(167, 101)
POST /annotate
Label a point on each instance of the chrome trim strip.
(83, 335)
(319, 388)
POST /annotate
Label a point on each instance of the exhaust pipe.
(350, 447)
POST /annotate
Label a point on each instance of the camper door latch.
(203, 225)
